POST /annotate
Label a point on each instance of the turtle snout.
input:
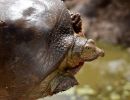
(100, 52)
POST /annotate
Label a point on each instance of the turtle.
(40, 49)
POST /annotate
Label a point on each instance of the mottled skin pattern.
(36, 36)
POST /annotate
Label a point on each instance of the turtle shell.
(35, 36)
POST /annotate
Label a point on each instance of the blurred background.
(107, 78)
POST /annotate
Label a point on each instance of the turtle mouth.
(91, 59)
(75, 69)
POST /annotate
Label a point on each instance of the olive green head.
(90, 51)
(83, 50)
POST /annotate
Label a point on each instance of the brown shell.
(35, 36)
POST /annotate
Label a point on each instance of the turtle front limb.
(76, 23)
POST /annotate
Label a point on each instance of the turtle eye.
(88, 48)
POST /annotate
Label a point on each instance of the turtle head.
(91, 51)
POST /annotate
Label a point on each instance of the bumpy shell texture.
(35, 36)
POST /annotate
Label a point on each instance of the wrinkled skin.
(36, 38)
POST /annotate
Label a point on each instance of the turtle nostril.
(100, 52)
(91, 41)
